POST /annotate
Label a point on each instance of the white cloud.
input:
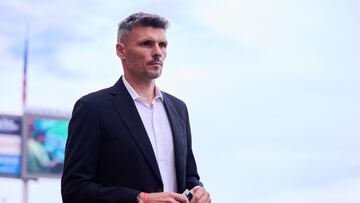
(259, 23)
(293, 37)
(346, 190)
(270, 85)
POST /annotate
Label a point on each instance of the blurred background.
(272, 87)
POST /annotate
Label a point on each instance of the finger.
(201, 196)
(197, 195)
(180, 198)
(205, 198)
(195, 189)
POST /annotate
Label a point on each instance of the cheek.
(137, 56)
(133, 57)
(136, 60)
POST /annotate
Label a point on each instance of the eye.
(163, 44)
(145, 43)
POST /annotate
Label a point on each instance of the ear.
(120, 50)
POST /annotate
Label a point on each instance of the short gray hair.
(140, 19)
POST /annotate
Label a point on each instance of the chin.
(153, 75)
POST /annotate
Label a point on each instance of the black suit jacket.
(109, 157)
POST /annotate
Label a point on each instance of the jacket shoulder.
(97, 95)
(95, 100)
(176, 101)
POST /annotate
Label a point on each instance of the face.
(143, 53)
(41, 138)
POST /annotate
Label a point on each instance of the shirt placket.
(156, 128)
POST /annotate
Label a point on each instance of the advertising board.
(44, 145)
(10, 145)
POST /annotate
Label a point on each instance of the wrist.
(139, 198)
(142, 197)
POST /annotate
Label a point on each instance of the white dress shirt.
(158, 129)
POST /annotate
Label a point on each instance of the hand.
(166, 197)
(200, 195)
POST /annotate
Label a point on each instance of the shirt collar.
(135, 96)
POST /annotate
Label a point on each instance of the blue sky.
(272, 87)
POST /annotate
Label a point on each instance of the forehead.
(148, 33)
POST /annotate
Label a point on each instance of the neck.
(144, 88)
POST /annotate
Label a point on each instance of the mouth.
(155, 62)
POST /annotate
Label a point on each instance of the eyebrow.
(152, 40)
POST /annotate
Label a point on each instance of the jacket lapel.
(178, 128)
(127, 110)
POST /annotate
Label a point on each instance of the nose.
(157, 51)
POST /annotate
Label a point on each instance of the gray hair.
(140, 19)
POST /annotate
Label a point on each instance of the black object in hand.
(188, 194)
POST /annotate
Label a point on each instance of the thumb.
(181, 198)
(195, 189)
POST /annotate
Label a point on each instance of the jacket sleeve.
(79, 183)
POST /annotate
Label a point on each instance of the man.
(38, 159)
(132, 142)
